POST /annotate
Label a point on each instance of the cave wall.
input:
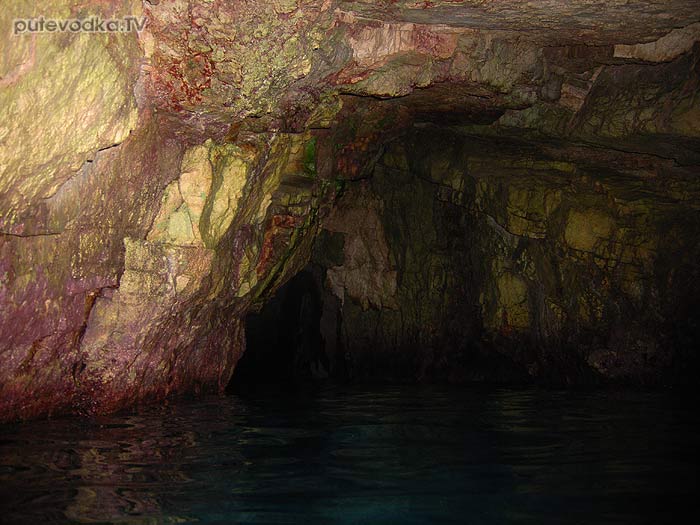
(151, 302)
(468, 259)
(157, 186)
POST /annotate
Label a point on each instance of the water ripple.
(389, 455)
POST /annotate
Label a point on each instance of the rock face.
(494, 184)
(496, 261)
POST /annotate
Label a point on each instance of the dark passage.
(284, 347)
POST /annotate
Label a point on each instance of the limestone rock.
(63, 97)
(528, 173)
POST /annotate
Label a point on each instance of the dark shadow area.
(458, 259)
(284, 347)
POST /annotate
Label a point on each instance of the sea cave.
(243, 215)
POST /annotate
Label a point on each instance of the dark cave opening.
(456, 259)
(284, 345)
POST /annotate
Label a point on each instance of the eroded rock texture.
(498, 261)
(533, 214)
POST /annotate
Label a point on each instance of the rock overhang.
(266, 89)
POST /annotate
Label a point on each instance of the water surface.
(404, 455)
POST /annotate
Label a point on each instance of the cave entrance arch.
(284, 346)
(452, 255)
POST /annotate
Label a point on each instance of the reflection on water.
(391, 455)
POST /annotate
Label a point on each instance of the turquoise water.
(403, 455)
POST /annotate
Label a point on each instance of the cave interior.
(453, 192)
(456, 253)
(349, 261)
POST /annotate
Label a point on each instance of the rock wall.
(157, 186)
(467, 259)
(149, 299)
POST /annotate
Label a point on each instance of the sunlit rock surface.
(156, 187)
